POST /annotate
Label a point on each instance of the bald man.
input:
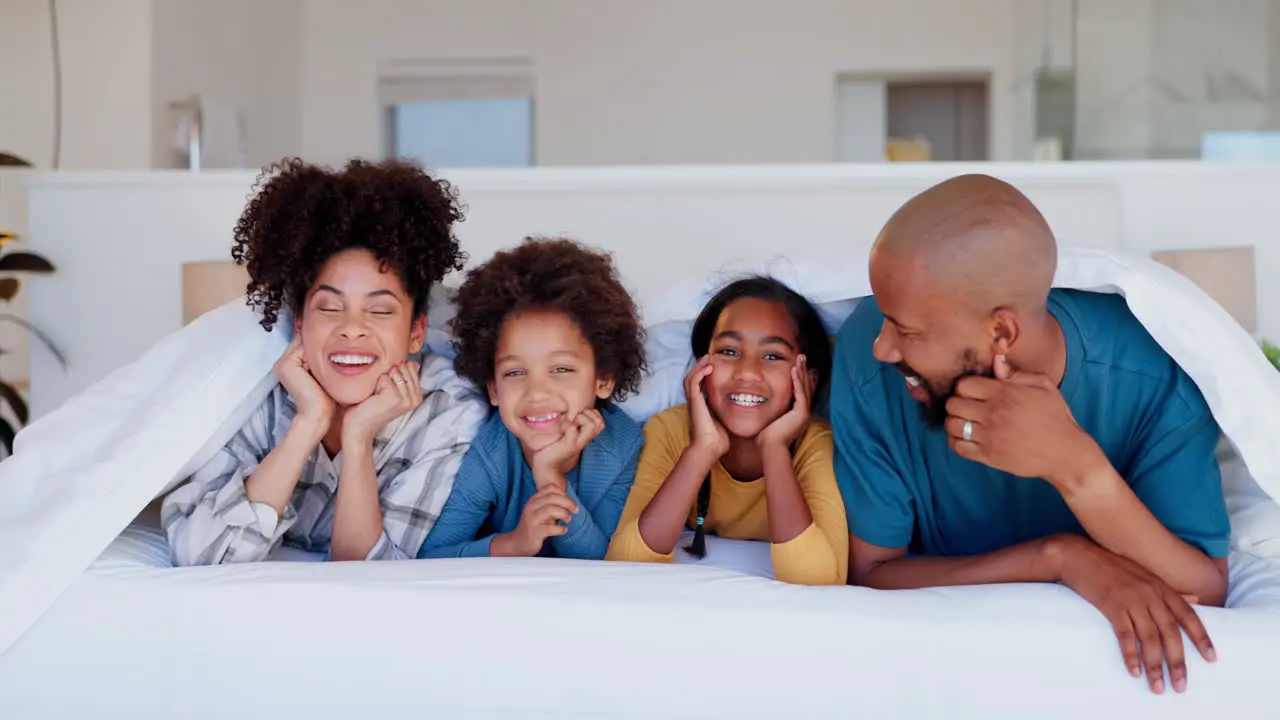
(989, 429)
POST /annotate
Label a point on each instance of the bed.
(93, 621)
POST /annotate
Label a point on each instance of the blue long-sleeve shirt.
(495, 482)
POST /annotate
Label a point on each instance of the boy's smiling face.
(544, 375)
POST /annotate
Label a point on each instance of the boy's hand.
(537, 523)
(551, 462)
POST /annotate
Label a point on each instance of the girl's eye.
(562, 370)
(774, 356)
(513, 373)
(727, 352)
(382, 313)
(328, 310)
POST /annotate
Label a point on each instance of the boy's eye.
(727, 351)
(328, 309)
(513, 373)
(562, 369)
(774, 356)
(381, 313)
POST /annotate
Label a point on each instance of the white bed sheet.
(135, 638)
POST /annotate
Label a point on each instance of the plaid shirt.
(210, 520)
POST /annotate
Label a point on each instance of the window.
(448, 115)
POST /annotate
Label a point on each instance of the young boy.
(551, 333)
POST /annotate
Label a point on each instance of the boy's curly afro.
(550, 274)
(303, 214)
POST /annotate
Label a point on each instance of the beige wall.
(243, 54)
(663, 81)
(106, 79)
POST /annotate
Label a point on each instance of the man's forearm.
(1116, 519)
(1035, 561)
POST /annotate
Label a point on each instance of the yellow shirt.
(738, 510)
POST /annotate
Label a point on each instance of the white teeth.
(913, 381)
(746, 399)
(350, 359)
(541, 418)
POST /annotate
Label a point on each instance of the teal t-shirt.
(903, 486)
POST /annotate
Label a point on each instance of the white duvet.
(501, 636)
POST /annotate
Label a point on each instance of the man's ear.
(1006, 328)
(417, 333)
(604, 388)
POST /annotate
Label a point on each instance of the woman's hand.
(315, 407)
(706, 433)
(396, 393)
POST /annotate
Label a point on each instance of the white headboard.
(120, 239)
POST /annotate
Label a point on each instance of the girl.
(742, 458)
(553, 335)
(354, 452)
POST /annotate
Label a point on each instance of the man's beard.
(934, 410)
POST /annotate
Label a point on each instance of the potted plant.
(18, 261)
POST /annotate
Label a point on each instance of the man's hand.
(537, 523)
(551, 462)
(396, 393)
(1148, 616)
(1020, 423)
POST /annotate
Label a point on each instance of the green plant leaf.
(8, 288)
(1272, 352)
(57, 354)
(25, 262)
(7, 435)
(14, 398)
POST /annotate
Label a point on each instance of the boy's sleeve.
(1176, 475)
(469, 505)
(210, 520)
(591, 529)
(820, 554)
(662, 449)
(878, 505)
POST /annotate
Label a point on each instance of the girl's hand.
(705, 432)
(539, 522)
(396, 393)
(313, 403)
(787, 428)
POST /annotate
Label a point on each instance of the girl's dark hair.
(303, 214)
(811, 333)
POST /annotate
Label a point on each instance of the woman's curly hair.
(550, 274)
(303, 214)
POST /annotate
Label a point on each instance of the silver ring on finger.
(968, 431)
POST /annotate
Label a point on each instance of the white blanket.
(82, 473)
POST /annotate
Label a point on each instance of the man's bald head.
(976, 239)
(962, 274)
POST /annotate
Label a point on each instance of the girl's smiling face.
(753, 348)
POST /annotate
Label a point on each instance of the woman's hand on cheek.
(396, 394)
(313, 403)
